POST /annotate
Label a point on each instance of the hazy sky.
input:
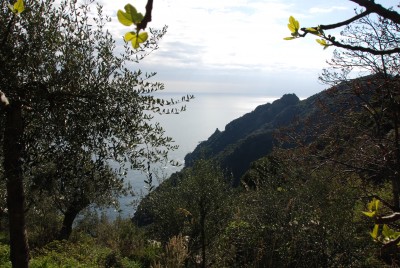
(237, 46)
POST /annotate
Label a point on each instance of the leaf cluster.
(18, 7)
(385, 15)
(129, 17)
(294, 27)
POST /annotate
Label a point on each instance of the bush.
(124, 239)
(299, 219)
(5, 256)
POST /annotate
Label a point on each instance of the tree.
(193, 203)
(64, 89)
(293, 214)
(378, 94)
(72, 181)
(370, 43)
(205, 190)
(327, 40)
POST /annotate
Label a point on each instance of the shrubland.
(64, 94)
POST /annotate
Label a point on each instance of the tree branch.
(388, 219)
(365, 49)
(378, 9)
(371, 7)
(346, 22)
(147, 17)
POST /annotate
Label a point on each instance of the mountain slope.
(247, 138)
(251, 136)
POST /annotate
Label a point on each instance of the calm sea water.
(202, 117)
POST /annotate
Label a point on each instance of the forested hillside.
(247, 138)
(295, 183)
(254, 135)
(305, 193)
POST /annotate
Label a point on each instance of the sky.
(231, 47)
(236, 46)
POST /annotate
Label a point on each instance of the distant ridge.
(253, 135)
(247, 138)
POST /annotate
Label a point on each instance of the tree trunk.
(69, 217)
(66, 228)
(203, 236)
(396, 179)
(13, 152)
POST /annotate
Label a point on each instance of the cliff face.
(247, 138)
(252, 136)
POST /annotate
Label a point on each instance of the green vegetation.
(247, 138)
(69, 107)
(293, 184)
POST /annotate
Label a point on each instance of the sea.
(203, 115)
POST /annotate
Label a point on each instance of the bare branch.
(147, 17)
(346, 22)
(388, 219)
(371, 7)
(365, 49)
(380, 10)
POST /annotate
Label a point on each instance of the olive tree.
(64, 87)
(73, 181)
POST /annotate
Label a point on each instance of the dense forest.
(294, 183)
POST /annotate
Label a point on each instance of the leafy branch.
(132, 17)
(328, 40)
(387, 236)
(18, 7)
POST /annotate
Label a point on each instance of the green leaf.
(129, 36)
(143, 37)
(291, 28)
(293, 25)
(131, 16)
(314, 31)
(136, 39)
(375, 231)
(323, 43)
(386, 231)
(370, 214)
(373, 205)
(18, 7)
(376, 204)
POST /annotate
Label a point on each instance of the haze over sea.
(202, 52)
(203, 115)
